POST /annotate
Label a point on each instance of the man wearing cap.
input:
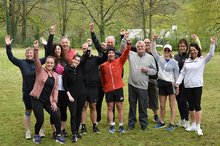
(111, 77)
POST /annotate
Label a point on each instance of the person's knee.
(28, 113)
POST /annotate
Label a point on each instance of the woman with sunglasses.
(167, 75)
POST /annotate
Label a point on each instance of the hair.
(184, 41)
(110, 37)
(51, 58)
(65, 37)
(29, 49)
(77, 55)
(197, 48)
(139, 42)
(63, 54)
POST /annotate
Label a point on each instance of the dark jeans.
(38, 109)
(182, 103)
(140, 96)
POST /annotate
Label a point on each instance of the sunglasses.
(167, 50)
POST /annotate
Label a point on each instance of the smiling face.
(58, 51)
(110, 41)
(75, 61)
(111, 55)
(49, 64)
(29, 54)
(85, 47)
(182, 48)
(147, 44)
(167, 53)
(65, 43)
(193, 52)
(140, 45)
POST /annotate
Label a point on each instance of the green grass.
(12, 110)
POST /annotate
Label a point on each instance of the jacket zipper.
(113, 83)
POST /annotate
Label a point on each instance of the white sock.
(198, 126)
(112, 123)
(120, 124)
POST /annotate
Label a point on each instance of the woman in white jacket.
(192, 73)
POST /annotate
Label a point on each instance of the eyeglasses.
(167, 50)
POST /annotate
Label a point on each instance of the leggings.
(38, 109)
(194, 98)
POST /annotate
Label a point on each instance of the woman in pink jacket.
(45, 94)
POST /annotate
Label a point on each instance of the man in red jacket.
(111, 77)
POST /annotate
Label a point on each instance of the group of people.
(70, 80)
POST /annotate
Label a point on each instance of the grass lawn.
(12, 111)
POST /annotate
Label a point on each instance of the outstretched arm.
(94, 38)
(37, 62)
(212, 49)
(153, 47)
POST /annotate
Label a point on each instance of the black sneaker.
(60, 139)
(64, 133)
(144, 128)
(130, 127)
(74, 138)
(78, 135)
(95, 129)
(156, 118)
(83, 130)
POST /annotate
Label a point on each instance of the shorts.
(26, 97)
(153, 96)
(166, 90)
(115, 96)
(92, 95)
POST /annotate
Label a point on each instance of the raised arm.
(212, 49)
(124, 55)
(9, 53)
(37, 62)
(94, 38)
(196, 39)
(153, 47)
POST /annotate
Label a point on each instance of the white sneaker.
(28, 134)
(199, 131)
(191, 128)
(180, 123)
(41, 133)
(186, 124)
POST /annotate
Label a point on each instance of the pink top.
(59, 69)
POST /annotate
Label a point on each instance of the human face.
(29, 54)
(76, 61)
(104, 47)
(167, 52)
(182, 48)
(110, 42)
(89, 41)
(147, 44)
(65, 43)
(49, 64)
(84, 48)
(193, 52)
(58, 51)
(141, 48)
(111, 55)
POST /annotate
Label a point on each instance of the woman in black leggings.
(45, 95)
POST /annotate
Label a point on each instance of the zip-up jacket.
(111, 72)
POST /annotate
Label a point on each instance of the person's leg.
(172, 108)
(142, 108)
(79, 108)
(162, 99)
(84, 113)
(99, 103)
(153, 100)
(27, 114)
(63, 100)
(72, 108)
(39, 114)
(110, 111)
(132, 98)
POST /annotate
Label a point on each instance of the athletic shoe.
(130, 127)
(95, 129)
(36, 139)
(186, 124)
(83, 130)
(121, 129)
(78, 135)
(199, 131)
(74, 138)
(41, 133)
(28, 134)
(60, 139)
(156, 118)
(144, 128)
(191, 128)
(160, 125)
(170, 128)
(64, 133)
(111, 129)
(180, 123)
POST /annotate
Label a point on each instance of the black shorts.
(153, 96)
(115, 96)
(92, 95)
(166, 90)
(26, 97)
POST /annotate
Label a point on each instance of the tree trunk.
(143, 18)
(150, 18)
(102, 24)
(7, 18)
(24, 21)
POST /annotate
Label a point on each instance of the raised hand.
(91, 27)
(8, 40)
(213, 40)
(122, 31)
(194, 36)
(52, 29)
(43, 41)
(36, 45)
(155, 37)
